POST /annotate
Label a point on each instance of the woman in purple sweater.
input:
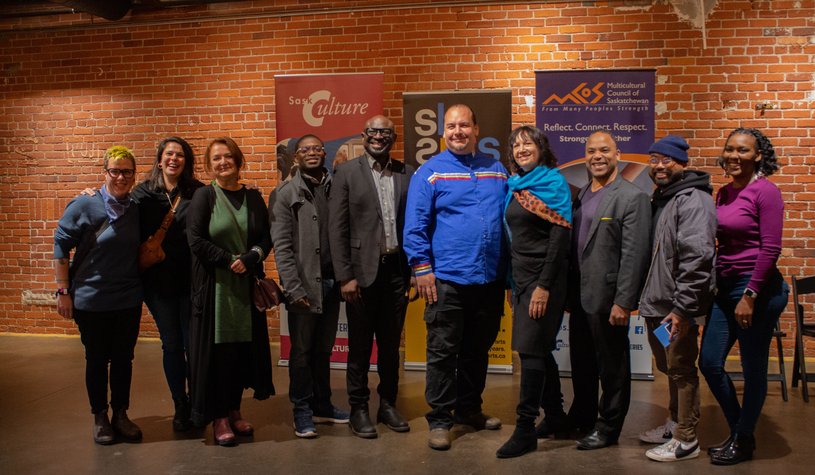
(751, 291)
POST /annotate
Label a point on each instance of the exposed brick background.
(73, 85)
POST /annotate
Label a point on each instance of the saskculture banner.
(570, 105)
(424, 137)
(334, 107)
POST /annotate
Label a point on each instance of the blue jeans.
(721, 333)
(172, 316)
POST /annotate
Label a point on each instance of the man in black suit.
(610, 254)
(367, 216)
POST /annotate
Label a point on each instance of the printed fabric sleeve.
(419, 217)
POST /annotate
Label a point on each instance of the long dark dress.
(540, 254)
(205, 258)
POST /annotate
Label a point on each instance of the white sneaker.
(674, 451)
(661, 434)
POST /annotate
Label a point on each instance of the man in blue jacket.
(453, 239)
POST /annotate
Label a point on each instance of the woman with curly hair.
(751, 291)
(538, 215)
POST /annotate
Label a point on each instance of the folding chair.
(801, 286)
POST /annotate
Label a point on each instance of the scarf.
(114, 208)
(544, 192)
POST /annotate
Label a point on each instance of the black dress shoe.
(740, 449)
(360, 423)
(102, 431)
(711, 451)
(389, 416)
(596, 440)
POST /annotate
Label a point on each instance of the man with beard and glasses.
(367, 217)
(611, 220)
(454, 242)
(678, 289)
(299, 217)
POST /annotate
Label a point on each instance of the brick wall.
(73, 85)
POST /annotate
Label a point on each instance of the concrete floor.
(45, 428)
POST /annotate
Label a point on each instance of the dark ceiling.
(108, 9)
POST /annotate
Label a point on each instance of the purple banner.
(573, 104)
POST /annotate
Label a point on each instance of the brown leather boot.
(102, 431)
(222, 433)
(124, 426)
(240, 425)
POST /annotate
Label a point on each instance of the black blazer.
(611, 268)
(355, 219)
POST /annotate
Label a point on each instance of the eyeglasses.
(316, 148)
(661, 160)
(386, 133)
(116, 172)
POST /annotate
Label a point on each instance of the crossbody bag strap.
(85, 246)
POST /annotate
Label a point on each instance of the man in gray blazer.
(367, 217)
(610, 253)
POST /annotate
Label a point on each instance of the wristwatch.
(61, 291)
(750, 293)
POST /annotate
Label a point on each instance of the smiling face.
(119, 186)
(172, 161)
(664, 170)
(222, 164)
(460, 130)
(525, 152)
(310, 154)
(602, 155)
(740, 156)
(378, 137)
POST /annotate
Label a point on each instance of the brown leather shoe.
(239, 425)
(479, 421)
(102, 431)
(439, 439)
(222, 432)
(124, 427)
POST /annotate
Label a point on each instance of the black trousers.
(461, 328)
(109, 339)
(599, 350)
(312, 340)
(381, 314)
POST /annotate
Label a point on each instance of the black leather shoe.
(389, 416)
(718, 448)
(360, 423)
(596, 440)
(124, 427)
(740, 449)
(181, 419)
(560, 429)
(523, 441)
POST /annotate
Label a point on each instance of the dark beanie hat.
(671, 146)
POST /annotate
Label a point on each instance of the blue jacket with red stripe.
(454, 219)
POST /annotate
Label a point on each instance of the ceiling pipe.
(108, 9)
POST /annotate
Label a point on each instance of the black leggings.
(230, 364)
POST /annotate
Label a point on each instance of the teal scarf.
(547, 186)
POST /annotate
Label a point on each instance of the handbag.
(150, 251)
(266, 294)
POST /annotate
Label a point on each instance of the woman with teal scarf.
(538, 215)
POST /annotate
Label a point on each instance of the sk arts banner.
(424, 121)
(424, 138)
(570, 105)
(334, 107)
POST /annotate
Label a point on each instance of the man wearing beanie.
(678, 289)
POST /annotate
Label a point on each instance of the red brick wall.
(67, 94)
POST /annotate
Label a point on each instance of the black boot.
(711, 451)
(557, 426)
(524, 439)
(740, 449)
(102, 431)
(181, 419)
(124, 427)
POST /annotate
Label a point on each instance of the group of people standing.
(462, 230)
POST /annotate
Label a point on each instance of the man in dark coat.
(367, 217)
(612, 221)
